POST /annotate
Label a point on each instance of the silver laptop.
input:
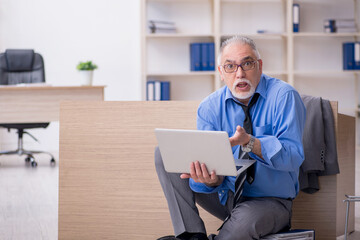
(181, 147)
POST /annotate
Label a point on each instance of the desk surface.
(41, 103)
(32, 87)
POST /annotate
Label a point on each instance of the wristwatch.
(249, 147)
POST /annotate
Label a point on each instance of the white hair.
(238, 39)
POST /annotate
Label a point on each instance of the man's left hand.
(240, 137)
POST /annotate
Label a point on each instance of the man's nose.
(240, 73)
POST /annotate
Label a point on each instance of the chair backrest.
(21, 66)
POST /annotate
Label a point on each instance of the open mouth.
(242, 85)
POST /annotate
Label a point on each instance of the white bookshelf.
(297, 58)
(310, 60)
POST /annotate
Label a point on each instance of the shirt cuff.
(270, 146)
(203, 188)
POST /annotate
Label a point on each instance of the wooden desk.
(108, 187)
(41, 103)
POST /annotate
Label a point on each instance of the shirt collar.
(261, 89)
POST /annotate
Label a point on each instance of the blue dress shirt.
(278, 119)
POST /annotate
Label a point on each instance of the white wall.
(66, 32)
(108, 33)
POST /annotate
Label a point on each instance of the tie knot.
(246, 109)
(253, 100)
(251, 103)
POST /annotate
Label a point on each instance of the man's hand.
(199, 173)
(240, 137)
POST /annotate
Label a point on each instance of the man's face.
(241, 83)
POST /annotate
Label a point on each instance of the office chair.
(22, 66)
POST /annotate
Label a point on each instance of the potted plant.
(86, 70)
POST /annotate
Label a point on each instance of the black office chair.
(22, 66)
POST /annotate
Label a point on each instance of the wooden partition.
(41, 103)
(108, 187)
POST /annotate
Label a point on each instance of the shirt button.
(220, 194)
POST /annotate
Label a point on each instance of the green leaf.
(86, 66)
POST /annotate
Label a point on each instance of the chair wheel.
(52, 162)
(34, 164)
(27, 159)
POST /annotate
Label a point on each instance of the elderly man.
(265, 118)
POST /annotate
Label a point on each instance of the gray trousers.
(251, 218)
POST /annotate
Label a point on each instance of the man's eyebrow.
(228, 60)
(247, 58)
(243, 59)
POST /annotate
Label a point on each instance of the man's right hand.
(199, 173)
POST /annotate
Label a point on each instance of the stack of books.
(157, 91)
(202, 56)
(298, 234)
(161, 26)
(339, 26)
(351, 56)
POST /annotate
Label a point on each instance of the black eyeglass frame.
(241, 66)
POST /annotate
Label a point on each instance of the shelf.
(199, 73)
(178, 1)
(275, 73)
(178, 35)
(352, 71)
(325, 72)
(258, 35)
(209, 73)
(251, 1)
(321, 34)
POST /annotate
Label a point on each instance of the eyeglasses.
(245, 66)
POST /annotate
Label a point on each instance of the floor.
(28, 199)
(25, 215)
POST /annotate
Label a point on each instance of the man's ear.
(221, 73)
(260, 65)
